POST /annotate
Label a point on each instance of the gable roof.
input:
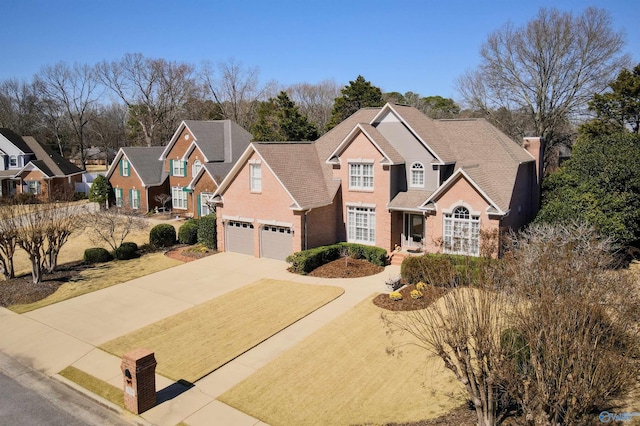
(297, 168)
(217, 172)
(16, 140)
(218, 140)
(49, 160)
(376, 138)
(144, 161)
(489, 157)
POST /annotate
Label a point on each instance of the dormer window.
(13, 161)
(417, 175)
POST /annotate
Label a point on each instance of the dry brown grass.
(343, 374)
(102, 276)
(195, 342)
(94, 385)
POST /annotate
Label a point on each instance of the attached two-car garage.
(276, 242)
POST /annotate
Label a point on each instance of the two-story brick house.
(27, 166)
(385, 176)
(188, 168)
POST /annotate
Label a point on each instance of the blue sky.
(422, 46)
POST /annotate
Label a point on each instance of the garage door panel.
(239, 237)
(276, 242)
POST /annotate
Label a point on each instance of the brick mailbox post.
(138, 372)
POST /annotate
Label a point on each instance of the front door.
(413, 230)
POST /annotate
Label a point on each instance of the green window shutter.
(121, 168)
(170, 167)
(130, 198)
(199, 204)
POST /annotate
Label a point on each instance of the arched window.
(197, 165)
(417, 175)
(461, 233)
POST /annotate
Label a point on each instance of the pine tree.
(280, 120)
(358, 94)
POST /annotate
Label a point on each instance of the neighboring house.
(95, 156)
(189, 168)
(137, 177)
(27, 166)
(390, 177)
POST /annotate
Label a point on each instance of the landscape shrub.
(162, 235)
(126, 251)
(416, 294)
(442, 269)
(188, 232)
(305, 261)
(97, 255)
(208, 232)
(395, 295)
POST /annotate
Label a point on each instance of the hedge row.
(305, 261)
(442, 269)
(127, 250)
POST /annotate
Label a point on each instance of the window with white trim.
(13, 161)
(135, 199)
(256, 177)
(197, 165)
(206, 205)
(178, 198)
(417, 175)
(119, 200)
(361, 176)
(33, 186)
(178, 167)
(461, 232)
(361, 225)
(125, 167)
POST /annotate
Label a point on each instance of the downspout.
(306, 230)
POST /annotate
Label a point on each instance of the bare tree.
(8, 240)
(32, 236)
(547, 335)
(154, 91)
(576, 322)
(235, 89)
(62, 220)
(464, 328)
(163, 199)
(19, 104)
(74, 89)
(113, 226)
(315, 100)
(547, 69)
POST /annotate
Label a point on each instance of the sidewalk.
(68, 333)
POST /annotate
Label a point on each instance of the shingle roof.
(487, 155)
(218, 170)
(378, 139)
(16, 139)
(411, 199)
(145, 162)
(299, 168)
(427, 130)
(219, 140)
(56, 164)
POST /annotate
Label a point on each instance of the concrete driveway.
(67, 333)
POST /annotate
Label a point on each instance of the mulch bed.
(407, 303)
(346, 268)
(22, 290)
(185, 255)
(461, 416)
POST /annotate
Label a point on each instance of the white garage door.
(276, 242)
(239, 237)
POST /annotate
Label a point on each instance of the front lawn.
(343, 374)
(195, 342)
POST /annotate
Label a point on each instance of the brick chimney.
(535, 147)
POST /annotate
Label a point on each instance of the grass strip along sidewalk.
(193, 343)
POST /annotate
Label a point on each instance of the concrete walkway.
(68, 333)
